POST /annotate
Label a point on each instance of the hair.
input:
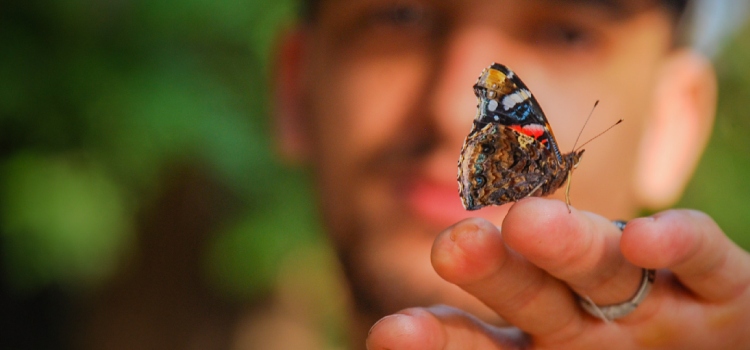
(676, 7)
(309, 8)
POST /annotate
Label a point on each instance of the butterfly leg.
(567, 191)
(535, 189)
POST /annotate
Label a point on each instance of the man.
(376, 95)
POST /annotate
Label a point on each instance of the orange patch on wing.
(518, 128)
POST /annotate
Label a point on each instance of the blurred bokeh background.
(142, 205)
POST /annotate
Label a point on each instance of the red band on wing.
(533, 130)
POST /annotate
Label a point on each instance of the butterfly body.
(510, 152)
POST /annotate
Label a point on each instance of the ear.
(677, 133)
(291, 139)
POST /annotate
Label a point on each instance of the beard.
(383, 250)
(383, 247)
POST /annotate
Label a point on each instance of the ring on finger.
(609, 313)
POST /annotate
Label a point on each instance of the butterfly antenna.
(570, 170)
(599, 134)
(584, 125)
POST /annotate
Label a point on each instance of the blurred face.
(387, 100)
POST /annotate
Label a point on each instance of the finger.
(580, 248)
(473, 256)
(439, 327)
(691, 245)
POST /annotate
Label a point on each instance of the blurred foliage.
(98, 98)
(62, 220)
(720, 186)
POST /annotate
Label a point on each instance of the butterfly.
(511, 152)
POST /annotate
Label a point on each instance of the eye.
(375, 27)
(399, 15)
(566, 36)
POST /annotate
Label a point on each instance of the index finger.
(473, 255)
(693, 246)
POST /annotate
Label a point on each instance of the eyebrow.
(621, 9)
(617, 7)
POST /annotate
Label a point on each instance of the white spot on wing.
(492, 105)
(510, 101)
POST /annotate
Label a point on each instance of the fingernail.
(378, 322)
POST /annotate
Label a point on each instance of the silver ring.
(620, 224)
(609, 313)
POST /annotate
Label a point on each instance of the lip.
(440, 204)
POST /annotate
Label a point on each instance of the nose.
(452, 101)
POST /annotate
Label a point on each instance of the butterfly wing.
(499, 165)
(510, 152)
(505, 99)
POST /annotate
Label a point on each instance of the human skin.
(700, 299)
(377, 98)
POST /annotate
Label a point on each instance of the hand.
(529, 274)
